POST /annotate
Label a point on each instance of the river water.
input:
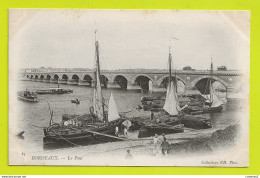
(34, 116)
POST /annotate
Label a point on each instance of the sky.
(128, 39)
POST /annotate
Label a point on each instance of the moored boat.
(27, 96)
(172, 109)
(197, 122)
(98, 125)
(175, 108)
(151, 130)
(212, 102)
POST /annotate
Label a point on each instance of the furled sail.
(112, 109)
(98, 99)
(171, 101)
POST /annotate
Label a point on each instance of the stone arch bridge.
(147, 79)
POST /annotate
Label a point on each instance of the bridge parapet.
(145, 71)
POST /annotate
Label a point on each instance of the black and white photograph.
(129, 87)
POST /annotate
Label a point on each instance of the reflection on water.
(34, 116)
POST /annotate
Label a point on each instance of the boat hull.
(201, 110)
(74, 101)
(34, 100)
(51, 92)
(54, 143)
(147, 131)
(82, 135)
(196, 122)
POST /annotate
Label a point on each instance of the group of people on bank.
(125, 131)
(160, 145)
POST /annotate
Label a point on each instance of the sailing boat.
(99, 125)
(171, 107)
(211, 104)
(112, 112)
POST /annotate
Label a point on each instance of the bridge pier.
(62, 81)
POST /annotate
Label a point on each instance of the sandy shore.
(185, 149)
(180, 143)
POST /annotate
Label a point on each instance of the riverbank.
(188, 148)
(218, 140)
(191, 142)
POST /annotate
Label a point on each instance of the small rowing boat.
(76, 101)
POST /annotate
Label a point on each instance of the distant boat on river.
(27, 96)
(54, 91)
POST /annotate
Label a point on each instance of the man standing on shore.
(152, 115)
(116, 131)
(156, 145)
(125, 132)
(165, 147)
(128, 155)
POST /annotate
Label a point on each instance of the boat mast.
(99, 104)
(171, 104)
(95, 64)
(97, 56)
(210, 81)
(170, 66)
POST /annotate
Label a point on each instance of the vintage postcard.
(129, 87)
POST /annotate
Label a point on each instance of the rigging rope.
(69, 141)
(36, 126)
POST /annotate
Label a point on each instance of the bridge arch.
(201, 83)
(75, 77)
(103, 80)
(48, 77)
(88, 79)
(65, 77)
(41, 77)
(28, 76)
(121, 81)
(143, 81)
(55, 77)
(32, 77)
(36, 77)
(163, 81)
